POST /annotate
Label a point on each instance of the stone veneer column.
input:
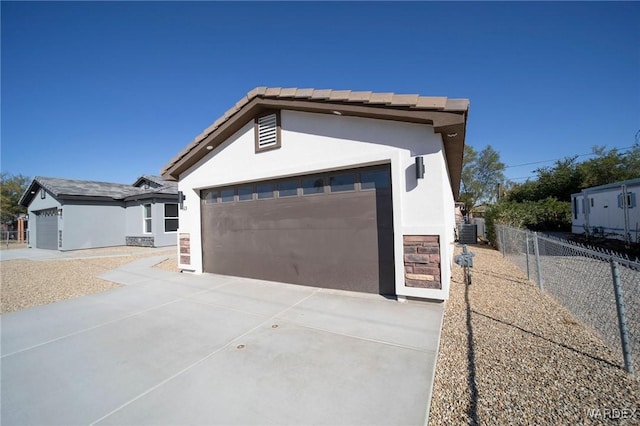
(422, 261)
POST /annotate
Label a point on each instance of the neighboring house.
(608, 210)
(328, 188)
(67, 214)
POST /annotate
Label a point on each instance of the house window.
(288, 188)
(629, 200)
(227, 195)
(267, 131)
(146, 215)
(313, 185)
(245, 193)
(265, 191)
(378, 179)
(342, 182)
(575, 208)
(43, 193)
(210, 196)
(170, 217)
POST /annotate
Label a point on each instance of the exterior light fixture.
(452, 135)
(336, 112)
(419, 168)
(181, 199)
(209, 147)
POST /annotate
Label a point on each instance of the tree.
(568, 177)
(559, 182)
(610, 166)
(11, 189)
(482, 175)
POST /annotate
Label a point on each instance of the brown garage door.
(332, 230)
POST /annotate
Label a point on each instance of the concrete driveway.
(171, 348)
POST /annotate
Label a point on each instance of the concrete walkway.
(170, 348)
(46, 255)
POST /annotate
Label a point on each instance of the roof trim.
(447, 116)
(59, 189)
(599, 188)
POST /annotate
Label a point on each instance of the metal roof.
(615, 185)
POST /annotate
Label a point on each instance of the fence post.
(537, 253)
(622, 317)
(526, 234)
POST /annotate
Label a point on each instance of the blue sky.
(108, 91)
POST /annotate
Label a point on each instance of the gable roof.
(158, 180)
(74, 189)
(447, 116)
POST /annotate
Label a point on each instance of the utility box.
(467, 233)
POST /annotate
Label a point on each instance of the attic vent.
(267, 129)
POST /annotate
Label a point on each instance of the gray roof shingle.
(62, 188)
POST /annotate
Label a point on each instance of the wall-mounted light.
(336, 112)
(209, 147)
(181, 199)
(419, 168)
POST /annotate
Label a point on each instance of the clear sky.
(109, 91)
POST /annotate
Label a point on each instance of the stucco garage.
(332, 230)
(252, 208)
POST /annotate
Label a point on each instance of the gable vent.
(267, 131)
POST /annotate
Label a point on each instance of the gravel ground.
(510, 354)
(27, 283)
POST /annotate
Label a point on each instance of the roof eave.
(452, 121)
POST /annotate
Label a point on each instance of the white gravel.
(510, 354)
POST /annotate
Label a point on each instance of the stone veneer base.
(422, 261)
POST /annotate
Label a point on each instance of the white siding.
(321, 142)
(605, 213)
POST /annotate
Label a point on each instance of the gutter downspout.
(586, 206)
(625, 212)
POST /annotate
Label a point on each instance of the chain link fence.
(12, 238)
(600, 288)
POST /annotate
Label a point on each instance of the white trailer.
(608, 210)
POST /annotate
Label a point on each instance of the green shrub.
(548, 214)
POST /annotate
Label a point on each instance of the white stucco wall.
(322, 142)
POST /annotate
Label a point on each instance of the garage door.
(332, 230)
(47, 229)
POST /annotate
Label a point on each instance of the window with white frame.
(170, 217)
(146, 218)
(629, 199)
